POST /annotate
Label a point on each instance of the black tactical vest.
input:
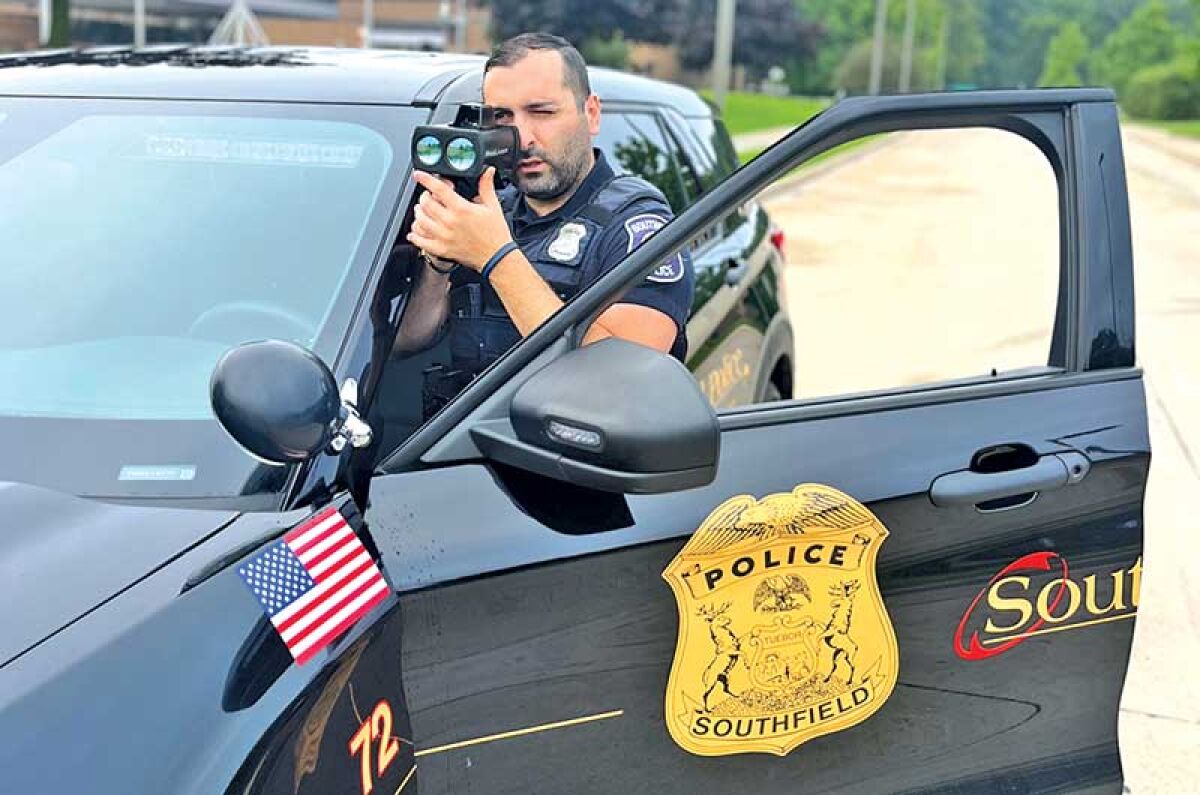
(480, 329)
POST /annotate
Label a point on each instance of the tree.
(1016, 48)
(60, 23)
(578, 21)
(1164, 91)
(1146, 38)
(1065, 57)
(1189, 49)
(613, 53)
(966, 44)
(853, 74)
(766, 33)
(1019, 31)
(840, 25)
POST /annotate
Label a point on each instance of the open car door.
(919, 589)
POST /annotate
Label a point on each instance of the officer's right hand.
(448, 226)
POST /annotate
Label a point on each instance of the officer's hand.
(448, 226)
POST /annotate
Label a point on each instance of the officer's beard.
(561, 174)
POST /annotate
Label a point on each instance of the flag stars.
(277, 578)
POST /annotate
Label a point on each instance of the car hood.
(61, 556)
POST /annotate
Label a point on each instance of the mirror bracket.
(349, 428)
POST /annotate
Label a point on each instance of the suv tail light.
(778, 240)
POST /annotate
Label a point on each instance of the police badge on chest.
(565, 246)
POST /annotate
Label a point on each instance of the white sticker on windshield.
(161, 472)
(243, 150)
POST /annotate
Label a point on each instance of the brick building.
(446, 25)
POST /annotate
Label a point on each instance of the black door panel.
(538, 659)
(430, 530)
(545, 639)
(541, 661)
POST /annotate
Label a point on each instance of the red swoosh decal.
(1035, 562)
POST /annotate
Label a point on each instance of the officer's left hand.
(448, 226)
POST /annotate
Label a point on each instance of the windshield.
(141, 240)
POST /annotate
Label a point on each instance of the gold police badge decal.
(783, 634)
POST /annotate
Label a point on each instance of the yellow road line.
(562, 724)
(404, 783)
(994, 641)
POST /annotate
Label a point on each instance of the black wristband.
(501, 253)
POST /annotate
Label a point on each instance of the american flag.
(315, 582)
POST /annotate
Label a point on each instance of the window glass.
(906, 260)
(635, 144)
(142, 240)
(165, 240)
(687, 162)
(420, 374)
(715, 138)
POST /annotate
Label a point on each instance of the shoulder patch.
(640, 228)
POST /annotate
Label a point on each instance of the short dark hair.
(575, 73)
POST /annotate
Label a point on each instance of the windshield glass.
(144, 239)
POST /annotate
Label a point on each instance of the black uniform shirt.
(545, 239)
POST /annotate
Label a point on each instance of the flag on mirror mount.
(315, 582)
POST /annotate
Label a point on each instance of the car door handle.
(975, 488)
(735, 268)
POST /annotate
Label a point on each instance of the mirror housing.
(280, 403)
(614, 416)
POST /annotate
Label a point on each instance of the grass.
(747, 155)
(1189, 128)
(746, 112)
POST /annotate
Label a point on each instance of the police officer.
(568, 219)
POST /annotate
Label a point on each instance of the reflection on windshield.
(140, 240)
(147, 245)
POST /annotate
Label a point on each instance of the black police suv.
(237, 560)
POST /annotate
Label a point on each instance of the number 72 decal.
(377, 728)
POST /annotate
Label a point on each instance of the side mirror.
(614, 416)
(281, 404)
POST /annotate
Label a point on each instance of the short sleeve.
(670, 287)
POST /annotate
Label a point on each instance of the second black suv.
(739, 338)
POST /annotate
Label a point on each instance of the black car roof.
(283, 74)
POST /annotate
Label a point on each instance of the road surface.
(948, 240)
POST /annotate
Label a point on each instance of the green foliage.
(990, 43)
(841, 23)
(612, 52)
(966, 45)
(1164, 91)
(1019, 31)
(844, 24)
(1146, 38)
(747, 112)
(1065, 57)
(854, 73)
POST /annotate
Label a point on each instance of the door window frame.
(1095, 285)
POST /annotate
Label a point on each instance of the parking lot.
(895, 214)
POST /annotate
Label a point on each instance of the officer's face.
(556, 133)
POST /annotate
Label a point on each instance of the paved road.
(955, 233)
